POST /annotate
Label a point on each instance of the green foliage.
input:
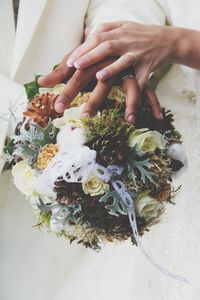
(9, 146)
(108, 122)
(143, 168)
(37, 135)
(117, 206)
(32, 88)
(29, 151)
(29, 142)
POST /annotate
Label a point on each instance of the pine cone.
(145, 119)
(46, 154)
(41, 109)
(110, 150)
(98, 216)
(164, 194)
(67, 192)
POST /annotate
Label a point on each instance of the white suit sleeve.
(141, 11)
(12, 98)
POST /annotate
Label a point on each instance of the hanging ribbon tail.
(128, 201)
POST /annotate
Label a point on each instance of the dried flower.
(41, 109)
(46, 154)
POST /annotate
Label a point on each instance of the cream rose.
(71, 117)
(57, 89)
(94, 186)
(146, 141)
(24, 178)
(117, 94)
(146, 206)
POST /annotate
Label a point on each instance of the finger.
(132, 92)
(98, 54)
(58, 75)
(118, 66)
(97, 97)
(108, 26)
(76, 84)
(153, 102)
(90, 43)
(142, 73)
(87, 32)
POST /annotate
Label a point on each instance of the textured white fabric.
(38, 266)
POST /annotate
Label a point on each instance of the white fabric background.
(38, 266)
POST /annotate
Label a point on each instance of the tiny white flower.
(69, 137)
(177, 151)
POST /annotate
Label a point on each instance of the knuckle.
(97, 39)
(109, 46)
(78, 78)
(129, 58)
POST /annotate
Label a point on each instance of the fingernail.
(70, 62)
(79, 63)
(59, 107)
(41, 78)
(76, 65)
(100, 75)
(86, 114)
(131, 118)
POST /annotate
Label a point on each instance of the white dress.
(37, 266)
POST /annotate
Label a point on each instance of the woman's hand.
(151, 46)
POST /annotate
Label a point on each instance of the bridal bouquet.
(96, 179)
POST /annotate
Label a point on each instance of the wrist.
(174, 37)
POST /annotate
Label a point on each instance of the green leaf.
(9, 146)
(143, 166)
(117, 206)
(32, 88)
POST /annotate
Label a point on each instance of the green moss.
(108, 122)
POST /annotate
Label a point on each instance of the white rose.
(94, 186)
(71, 117)
(146, 206)
(24, 178)
(146, 141)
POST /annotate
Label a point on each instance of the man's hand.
(79, 79)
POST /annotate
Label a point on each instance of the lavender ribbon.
(110, 173)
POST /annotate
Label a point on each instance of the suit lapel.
(7, 36)
(29, 15)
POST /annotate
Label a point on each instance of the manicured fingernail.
(76, 65)
(59, 107)
(131, 118)
(86, 114)
(79, 63)
(100, 75)
(70, 62)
